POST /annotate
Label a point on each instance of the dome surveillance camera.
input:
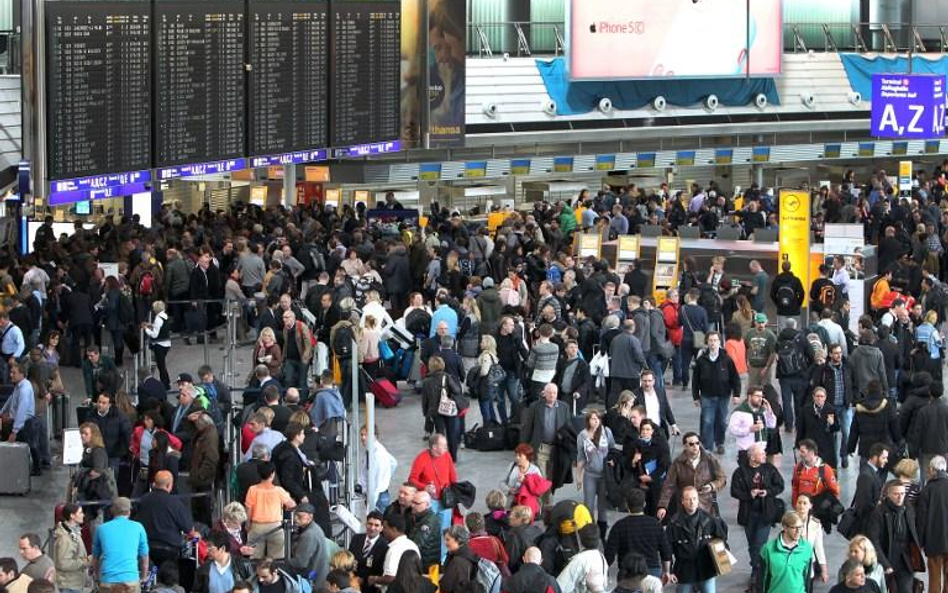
(490, 109)
(711, 102)
(605, 105)
(760, 100)
(659, 103)
(548, 106)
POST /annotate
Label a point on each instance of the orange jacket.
(813, 480)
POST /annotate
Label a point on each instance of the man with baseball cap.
(310, 555)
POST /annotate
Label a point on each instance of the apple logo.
(592, 28)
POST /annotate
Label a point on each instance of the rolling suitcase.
(15, 461)
(385, 393)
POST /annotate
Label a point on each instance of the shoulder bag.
(446, 405)
(699, 337)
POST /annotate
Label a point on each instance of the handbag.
(698, 336)
(446, 405)
(385, 351)
(848, 523)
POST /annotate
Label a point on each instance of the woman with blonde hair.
(469, 333)
(491, 374)
(743, 316)
(906, 471)
(159, 340)
(374, 308)
(268, 352)
(368, 340)
(619, 419)
(862, 550)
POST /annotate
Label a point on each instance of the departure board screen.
(365, 67)
(200, 81)
(98, 87)
(289, 61)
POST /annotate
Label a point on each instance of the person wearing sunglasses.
(696, 467)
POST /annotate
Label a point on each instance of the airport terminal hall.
(473, 296)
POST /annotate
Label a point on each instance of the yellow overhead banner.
(795, 232)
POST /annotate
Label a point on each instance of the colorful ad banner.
(668, 38)
(794, 235)
(447, 37)
(605, 162)
(520, 167)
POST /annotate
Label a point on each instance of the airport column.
(289, 185)
(757, 175)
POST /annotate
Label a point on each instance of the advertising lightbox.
(673, 38)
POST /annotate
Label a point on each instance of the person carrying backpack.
(462, 568)
(794, 356)
(788, 294)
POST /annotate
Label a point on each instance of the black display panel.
(98, 87)
(289, 60)
(200, 109)
(365, 62)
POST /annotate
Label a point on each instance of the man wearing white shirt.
(841, 275)
(833, 330)
(18, 413)
(12, 344)
(398, 544)
(382, 466)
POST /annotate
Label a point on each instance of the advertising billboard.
(908, 106)
(447, 36)
(673, 38)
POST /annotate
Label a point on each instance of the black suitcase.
(15, 461)
(490, 437)
(83, 414)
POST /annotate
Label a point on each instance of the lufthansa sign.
(794, 233)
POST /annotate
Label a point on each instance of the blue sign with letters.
(367, 149)
(101, 193)
(99, 181)
(910, 106)
(212, 168)
(290, 158)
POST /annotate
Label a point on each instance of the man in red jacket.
(673, 327)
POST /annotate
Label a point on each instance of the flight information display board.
(98, 87)
(365, 71)
(289, 61)
(200, 81)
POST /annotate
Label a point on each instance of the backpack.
(342, 342)
(827, 296)
(554, 274)
(473, 380)
(709, 300)
(146, 284)
(786, 297)
(790, 360)
(936, 300)
(300, 327)
(418, 322)
(470, 340)
(487, 577)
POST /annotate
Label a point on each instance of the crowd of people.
(574, 363)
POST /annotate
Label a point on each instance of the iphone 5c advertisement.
(674, 38)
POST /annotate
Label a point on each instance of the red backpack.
(146, 284)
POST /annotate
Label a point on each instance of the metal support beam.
(289, 185)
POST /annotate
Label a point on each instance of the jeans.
(844, 415)
(382, 501)
(792, 392)
(486, 403)
(450, 427)
(294, 375)
(510, 385)
(594, 495)
(657, 364)
(687, 353)
(706, 586)
(677, 369)
(757, 531)
(713, 421)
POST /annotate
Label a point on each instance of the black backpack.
(418, 322)
(710, 301)
(790, 359)
(786, 297)
(342, 342)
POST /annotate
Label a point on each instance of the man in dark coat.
(787, 293)
(626, 361)
(573, 378)
(531, 578)
(931, 521)
(115, 428)
(369, 550)
(397, 277)
(289, 464)
(869, 485)
(891, 528)
(536, 432)
(689, 531)
(757, 485)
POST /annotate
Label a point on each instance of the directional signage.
(908, 106)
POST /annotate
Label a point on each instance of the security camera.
(807, 99)
(760, 100)
(855, 97)
(506, 56)
(490, 109)
(548, 106)
(659, 103)
(605, 105)
(711, 102)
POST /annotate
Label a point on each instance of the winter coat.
(491, 309)
(672, 324)
(116, 431)
(868, 491)
(693, 561)
(290, 470)
(928, 434)
(931, 519)
(458, 572)
(764, 507)
(874, 422)
(814, 426)
(70, 558)
(396, 273)
(868, 365)
(823, 376)
(205, 457)
(531, 489)
(715, 378)
(582, 380)
(431, 393)
(881, 530)
(682, 474)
